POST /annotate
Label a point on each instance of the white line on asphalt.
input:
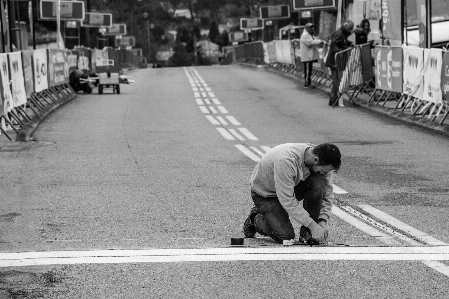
(221, 119)
(213, 109)
(276, 253)
(247, 134)
(199, 101)
(207, 88)
(369, 230)
(256, 150)
(338, 190)
(438, 266)
(207, 101)
(233, 121)
(212, 120)
(225, 134)
(222, 109)
(204, 94)
(380, 226)
(402, 226)
(204, 109)
(265, 148)
(216, 101)
(195, 88)
(250, 154)
(196, 94)
(211, 94)
(237, 135)
(201, 89)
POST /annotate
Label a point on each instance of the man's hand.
(323, 224)
(318, 233)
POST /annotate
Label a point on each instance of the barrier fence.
(32, 80)
(407, 77)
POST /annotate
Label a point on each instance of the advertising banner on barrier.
(445, 77)
(271, 47)
(72, 59)
(433, 60)
(27, 63)
(283, 51)
(56, 67)
(391, 22)
(19, 96)
(40, 70)
(388, 63)
(367, 62)
(4, 86)
(413, 71)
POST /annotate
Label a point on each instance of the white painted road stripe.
(402, 226)
(265, 148)
(204, 94)
(248, 152)
(233, 121)
(221, 119)
(204, 109)
(237, 135)
(213, 109)
(212, 120)
(211, 94)
(216, 101)
(199, 101)
(256, 150)
(222, 109)
(247, 134)
(225, 134)
(277, 253)
(196, 94)
(338, 190)
(207, 101)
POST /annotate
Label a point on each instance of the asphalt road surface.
(137, 195)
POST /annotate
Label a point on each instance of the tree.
(213, 32)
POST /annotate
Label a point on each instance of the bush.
(181, 57)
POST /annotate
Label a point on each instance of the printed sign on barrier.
(27, 63)
(4, 86)
(40, 69)
(413, 71)
(19, 96)
(56, 67)
(433, 59)
(283, 51)
(445, 77)
(83, 59)
(271, 48)
(72, 59)
(388, 62)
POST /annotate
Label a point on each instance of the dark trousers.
(308, 72)
(273, 220)
(335, 85)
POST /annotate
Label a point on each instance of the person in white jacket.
(308, 51)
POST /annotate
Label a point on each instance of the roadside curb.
(409, 119)
(28, 129)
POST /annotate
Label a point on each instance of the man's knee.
(316, 182)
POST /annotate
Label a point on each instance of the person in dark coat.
(339, 42)
(361, 33)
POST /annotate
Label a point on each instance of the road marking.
(207, 101)
(380, 226)
(225, 134)
(256, 150)
(196, 94)
(221, 119)
(248, 134)
(402, 226)
(212, 120)
(275, 253)
(204, 109)
(199, 101)
(195, 88)
(211, 94)
(216, 101)
(204, 94)
(364, 227)
(338, 190)
(237, 135)
(233, 121)
(250, 154)
(201, 89)
(207, 88)
(265, 148)
(222, 109)
(213, 109)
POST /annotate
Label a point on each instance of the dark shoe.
(249, 230)
(305, 236)
(306, 85)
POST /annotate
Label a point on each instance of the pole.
(33, 22)
(428, 24)
(58, 23)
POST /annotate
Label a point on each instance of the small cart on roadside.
(108, 79)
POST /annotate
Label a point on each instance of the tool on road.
(237, 241)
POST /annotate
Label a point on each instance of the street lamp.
(148, 27)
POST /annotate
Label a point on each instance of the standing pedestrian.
(293, 180)
(339, 42)
(361, 33)
(308, 52)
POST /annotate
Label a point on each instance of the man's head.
(348, 26)
(327, 158)
(310, 28)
